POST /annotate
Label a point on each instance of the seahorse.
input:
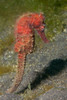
(24, 35)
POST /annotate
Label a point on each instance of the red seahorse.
(24, 35)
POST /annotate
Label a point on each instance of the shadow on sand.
(54, 68)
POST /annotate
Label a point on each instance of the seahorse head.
(38, 23)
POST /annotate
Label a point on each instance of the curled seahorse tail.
(19, 73)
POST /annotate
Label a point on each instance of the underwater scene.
(37, 67)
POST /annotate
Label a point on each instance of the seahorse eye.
(42, 30)
(44, 24)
